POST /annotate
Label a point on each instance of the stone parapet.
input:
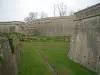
(88, 12)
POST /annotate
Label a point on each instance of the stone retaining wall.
(54, 27)
(10, 60)
(85, 43)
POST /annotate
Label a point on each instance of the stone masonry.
(55, 26)
(10, 60)
(85, 41)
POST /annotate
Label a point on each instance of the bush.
(1, 59)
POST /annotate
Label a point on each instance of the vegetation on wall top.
(1, 59)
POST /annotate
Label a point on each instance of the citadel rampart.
(85, 43)
(10, 59)
(61, 26)
(10, 27)
(84, 31)
(54, 26)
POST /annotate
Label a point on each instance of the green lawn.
(55, 53)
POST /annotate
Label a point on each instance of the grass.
(31, 62)
(55, 53)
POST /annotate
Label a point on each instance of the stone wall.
(7, 28)
(85, 39)
(53, 26)
(10, 27)
(61, 26)
(10, 60)
(85, 42)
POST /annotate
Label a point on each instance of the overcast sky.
(17, 10)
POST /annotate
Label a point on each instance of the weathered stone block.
(86, 48)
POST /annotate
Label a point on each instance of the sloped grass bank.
(55, 53)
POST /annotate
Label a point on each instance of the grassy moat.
(49, 58)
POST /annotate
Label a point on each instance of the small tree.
(32, 17)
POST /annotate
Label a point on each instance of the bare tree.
(54, 10)
(27, 19)
(32, 17)
(43, 15)
(61, 8)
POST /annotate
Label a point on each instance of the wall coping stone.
(89, 12)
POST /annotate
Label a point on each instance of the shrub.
(1, 59)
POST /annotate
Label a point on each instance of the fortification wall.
(10, 27)
(7, 28)
(85, 43)
(9, 65)
(55, 27)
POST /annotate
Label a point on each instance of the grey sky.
(17, 10)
